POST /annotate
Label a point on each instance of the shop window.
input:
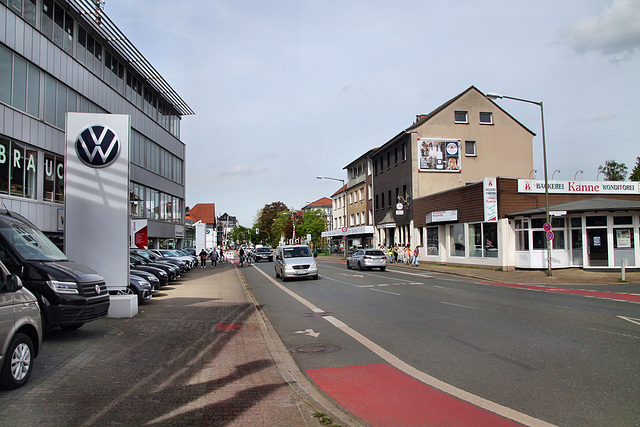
(433, 241)
(597, 221)
(623, 245)
(456, 240)
(5, 149)
(483, 240)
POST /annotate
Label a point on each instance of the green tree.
(613, 171)
(240, 234)
(314, 223)
(282, 226)
(635, 173)
(265, 222)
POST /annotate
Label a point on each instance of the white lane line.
(415, 373)
(459, 305)
(385, 292)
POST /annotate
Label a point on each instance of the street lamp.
(554, 173)
(577, 172)
(544, 155)
(346, 206)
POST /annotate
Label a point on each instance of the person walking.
(203, 258)
(214, 258)
(395, 253)
(407, 255)
(390, 253)
(416, 253)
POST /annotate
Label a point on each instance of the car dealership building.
(59, 57)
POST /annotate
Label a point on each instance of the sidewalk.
(570, 277)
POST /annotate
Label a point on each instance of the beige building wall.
(357, 205)
(503, 148)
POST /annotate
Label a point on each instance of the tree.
(281, 227)
(240, 234)
(265, 222)
(613, 171)
(635, 173)
(314, 223)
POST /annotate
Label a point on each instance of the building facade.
(67, 56)
(458, 143)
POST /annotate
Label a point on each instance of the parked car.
(20, 330)
(149, 277)
(367, 258)
(69, 293)
(174, 254)
(140, 287)
(295, 261)
(162, 275)
(152, 257)
(262, 253)
(172, 270)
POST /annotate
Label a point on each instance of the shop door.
(598, 249)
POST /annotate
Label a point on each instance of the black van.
(69, 293)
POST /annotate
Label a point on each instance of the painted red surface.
(381, 395)
(620, 296)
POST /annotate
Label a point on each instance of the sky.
(287, 90)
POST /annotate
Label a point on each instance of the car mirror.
(13, 283)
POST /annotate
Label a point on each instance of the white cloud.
(614, 33)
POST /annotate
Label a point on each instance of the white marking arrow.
(630, 319)
(309, 332)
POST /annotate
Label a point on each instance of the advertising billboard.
(438, 155)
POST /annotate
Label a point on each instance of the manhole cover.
(315, 349)
(318, 314)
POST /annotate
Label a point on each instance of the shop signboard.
(439, 154)
(579, 187)
(96, 229)
(490, 197)
(139, 233)
(442, 216)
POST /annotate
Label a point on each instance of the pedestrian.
(416, 253)
(214, 258)
(203, 258)
(395, 253)
(390, 253)
(407, 255)
(241, 255)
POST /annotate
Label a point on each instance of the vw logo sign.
(98, 289)
(97, 146)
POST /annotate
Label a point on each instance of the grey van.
(20, 330)
(295, 261)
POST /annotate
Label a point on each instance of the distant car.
(367, 258)
(295, 261)
(261, 254)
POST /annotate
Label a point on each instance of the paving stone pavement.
(198, 353)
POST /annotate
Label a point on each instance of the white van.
(295, 261)
(20, 330)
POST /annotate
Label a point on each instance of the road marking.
(410, 370)
(630, 319)
(385, 292)
(459, 305)
(309, 332)
(614, 333)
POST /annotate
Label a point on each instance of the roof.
(205, 212)
(341, 190)
(320, 203)
(103, 25)
(593, 204)
(426, 117)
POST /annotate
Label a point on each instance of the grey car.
(20, 331)
(367, 259)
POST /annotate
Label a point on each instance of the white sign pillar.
(96, 231)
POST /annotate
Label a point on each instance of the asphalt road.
(551, 357)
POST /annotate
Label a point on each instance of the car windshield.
(265, 250)
(375, 253)
(31, 243)
(300, 252)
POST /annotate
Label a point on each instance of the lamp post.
(544, 155)
(577, 172)
(346, 206)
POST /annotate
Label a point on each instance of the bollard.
(623, 263)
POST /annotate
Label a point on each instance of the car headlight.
(63, 287)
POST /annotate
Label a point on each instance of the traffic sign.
(547, 226)
(344, 229)
(550, 235)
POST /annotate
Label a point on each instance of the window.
(388, 159)
(461, 117)
(486, 118)
(456, 240)
(404, 151)
(470, 149)
(483, 240)
(522, 234)
(433, 244)
(17, 169)
(395, 155)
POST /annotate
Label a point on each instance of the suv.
(262, 253)
(69, 293)
(295, 261)
(20, 331)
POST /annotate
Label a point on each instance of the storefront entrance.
(598, 247)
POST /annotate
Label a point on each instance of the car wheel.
(16, 368)
(284, 278)
(277, 274)
(383, 268)
(360, 266)
(315, 277)
(348, 265)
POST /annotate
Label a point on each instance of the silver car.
(20, 331)
(295, 261)
(367, 258)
